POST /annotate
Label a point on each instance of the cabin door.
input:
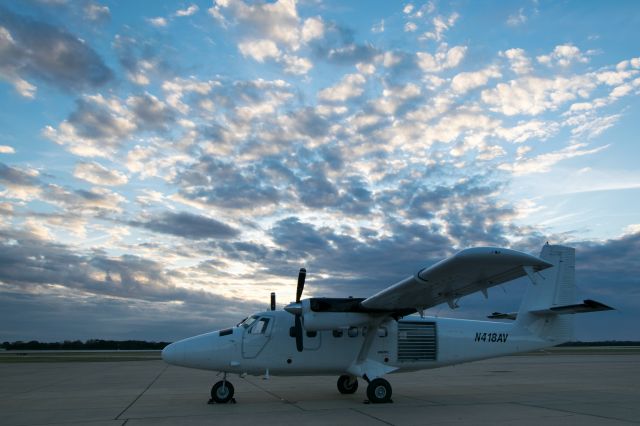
(256, 336)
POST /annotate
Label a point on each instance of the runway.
(523, 390)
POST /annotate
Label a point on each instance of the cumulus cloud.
(534, 95)
(99, 125)
(442, 60)
(6, 149)
(350, 86)
(271, 31)
(466, 81)
(37, 50)
(188, 225)
(98, 174)
(440, 26)
(518, 60)
(563, 55)
(20, 183)
(191, 10)
(158, 21)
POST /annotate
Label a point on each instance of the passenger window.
(337, 333)
(353, 332)
(382, 332)
(260, 327)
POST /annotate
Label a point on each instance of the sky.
(164, 166)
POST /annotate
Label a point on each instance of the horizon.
(165, 166)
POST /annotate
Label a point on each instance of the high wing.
(466, 272)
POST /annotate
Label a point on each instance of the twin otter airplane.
(369, 338)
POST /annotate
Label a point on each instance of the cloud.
(259, 50)
(440, 26)
(38, 50)
(442, 60)
(535, 95)
(142, 59)
(517, 19)
(271, 31)
(21, 184)
(6, 149)
(519, 62)
(98, 174)
(563, 55)
(543, 162)
(97, 127)
(466, 81)
(158, 21)
(188, 225)
(150, 113)
(96, 12)
(191, 10)
(212, 181)
(349, 87)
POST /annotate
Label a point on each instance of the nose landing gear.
(222, 392)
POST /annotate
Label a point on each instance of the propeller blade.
(299, 345)
(301, 277)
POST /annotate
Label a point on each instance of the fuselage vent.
(417, 341)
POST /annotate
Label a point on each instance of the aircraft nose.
(173, 353)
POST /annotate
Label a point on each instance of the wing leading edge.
(466, 272)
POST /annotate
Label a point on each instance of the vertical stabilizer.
(551, 287)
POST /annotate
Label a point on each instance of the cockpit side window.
(260, 326)
(246, 323)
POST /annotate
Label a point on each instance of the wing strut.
(363, 366)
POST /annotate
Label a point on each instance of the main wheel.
(347, 384)
(379, 391)
(222, 392)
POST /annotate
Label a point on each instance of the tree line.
(91, 344)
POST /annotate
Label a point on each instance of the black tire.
(347, 384)
(379, 391)
(222, 392)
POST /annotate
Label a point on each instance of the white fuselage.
(412, 343)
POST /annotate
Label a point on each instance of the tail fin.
(551, 287)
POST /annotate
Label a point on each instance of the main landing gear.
(347, 384)
(222, 392)
(378, 390)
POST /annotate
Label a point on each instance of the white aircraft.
(368, 338)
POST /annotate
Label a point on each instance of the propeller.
(296, 309)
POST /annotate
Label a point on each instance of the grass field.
(77, 356)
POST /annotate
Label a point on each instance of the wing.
(466, 272)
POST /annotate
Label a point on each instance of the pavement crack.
(141, 393)
(275, 395)
(564, 410)
(371, 416)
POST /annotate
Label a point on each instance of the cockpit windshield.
(246, 323)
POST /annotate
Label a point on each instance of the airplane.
(371, 337)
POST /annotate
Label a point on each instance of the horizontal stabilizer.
(586, 306)
(501, 315)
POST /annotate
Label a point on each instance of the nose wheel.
(222, 392)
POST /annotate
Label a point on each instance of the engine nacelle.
(316, 321)
(331, 314)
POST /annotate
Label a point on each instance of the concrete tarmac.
(518, 390)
